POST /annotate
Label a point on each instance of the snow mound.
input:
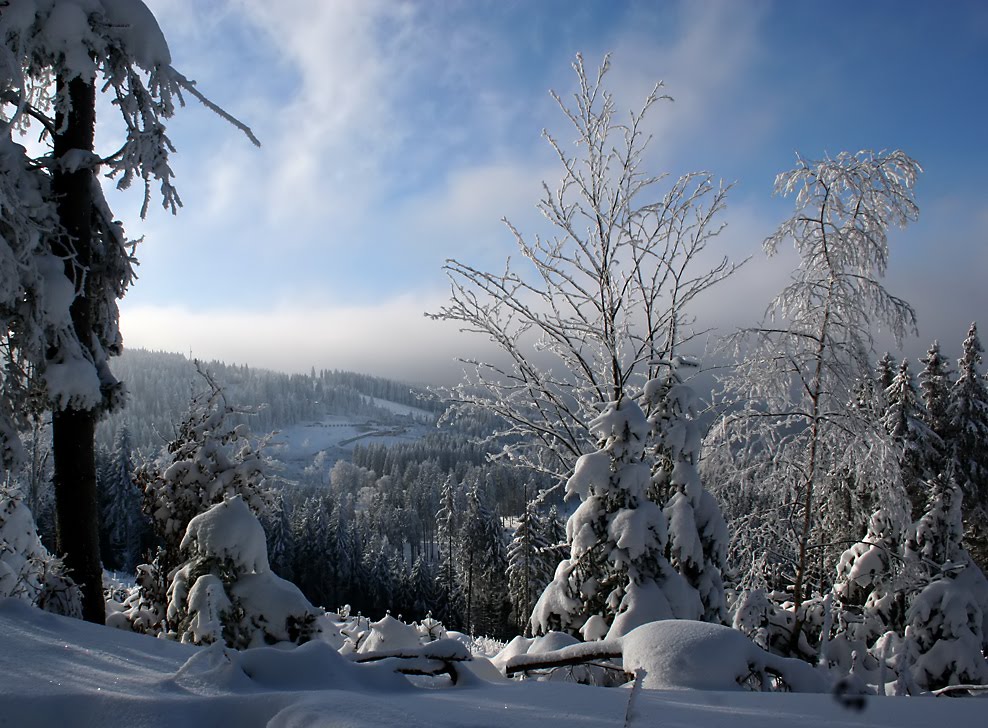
(680, 654)
(390, 634)
(229, 530)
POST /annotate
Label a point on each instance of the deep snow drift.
(59, 672)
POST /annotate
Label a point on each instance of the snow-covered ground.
(404, 410)
(298, 446)
(60, 672)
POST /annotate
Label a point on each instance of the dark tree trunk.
(73, 430)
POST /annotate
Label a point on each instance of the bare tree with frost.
(579, 320)
(65, 260)
(796, 436)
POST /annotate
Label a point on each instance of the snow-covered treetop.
(229, 530)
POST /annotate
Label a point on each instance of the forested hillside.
(160, 385)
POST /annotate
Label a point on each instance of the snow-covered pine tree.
(968, 432)
(481, 566)
(697, 532)
(865, 598)
(935, 381)
(937, 538)
(528, 570)
(945, 640)
(906, 420)
(309, 559)
(423, 586)
(278, 527)
(211, 459)
(123, 521)
(885, 372)
(617, 576)
(449, 607)
(226, 592)
(67, 261)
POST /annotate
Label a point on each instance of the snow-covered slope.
(297, 446)
(60, 672)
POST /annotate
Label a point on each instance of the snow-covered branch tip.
(190, 86)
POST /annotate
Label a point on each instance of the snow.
(594, 467)
(333, 437)
(685, 655)
(66, 31)
(138, 30)
(73, 382)
(59, 291)
(404, 410)
(229, 530)
(55, 667)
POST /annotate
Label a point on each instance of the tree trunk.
(73, 430)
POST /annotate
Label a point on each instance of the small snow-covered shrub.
(27, 570)
(211, 458)
(945, 631)
(768, 620)
(226, 592)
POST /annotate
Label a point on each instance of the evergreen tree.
(122, 521)
(528, 569)
(865, 596)
(906, 420)
(211, 458)
(27, 570)
(968, 432)
(481, 566)
(450, 598)
(945, 640)
(885, 372)
(934, 387)
(226, 592)
(423, 587)
(617, 576)
(67, 260)
(277, 527)
(697, 534)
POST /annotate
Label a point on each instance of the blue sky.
(396, 135)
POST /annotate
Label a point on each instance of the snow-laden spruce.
(529, 565)
(967, 416)
(910, 608)
(226, 591)
(906, 420)
(212, 458)
(120, 508)
(617, 576)
(697, 531)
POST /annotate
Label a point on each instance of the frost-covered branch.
(577, 321)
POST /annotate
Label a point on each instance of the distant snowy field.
(335, 435)
(60, 672)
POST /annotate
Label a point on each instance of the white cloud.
(391, 338)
